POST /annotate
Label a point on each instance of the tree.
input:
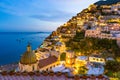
(89, 45)
(82, 70)
(113, 66)
(63, 56)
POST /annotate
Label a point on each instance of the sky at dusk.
(38, 15)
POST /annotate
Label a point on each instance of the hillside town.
(70, 49)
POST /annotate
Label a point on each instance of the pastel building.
(70, 58)
(115, 7)
(92, 33)
(98, 34)
(96, 59)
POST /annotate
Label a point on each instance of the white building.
(92, 33)
(96, 60)
(98, 34)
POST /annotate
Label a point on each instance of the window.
(33, 68)
(101, 60)
(97, 59)
(93, 58)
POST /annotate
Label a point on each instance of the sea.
(13, 44)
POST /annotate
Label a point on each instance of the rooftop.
(46, 76)
(47, 61)
(82, 57)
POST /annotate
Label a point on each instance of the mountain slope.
(107, 2)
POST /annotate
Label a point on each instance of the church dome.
(28, 57)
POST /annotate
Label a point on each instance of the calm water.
(13, 45)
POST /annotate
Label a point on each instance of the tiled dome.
(28, 57)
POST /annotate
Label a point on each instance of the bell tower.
(28, 48)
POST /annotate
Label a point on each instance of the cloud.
(36, 7)
(41, 10)
(41, 13)
(53, 16)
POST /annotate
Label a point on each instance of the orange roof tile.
(47, 61)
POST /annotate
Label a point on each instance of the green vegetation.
(113, 69)
(78, 36)
(113, 66)
(88, 45)
(82, 70)
(63, 57)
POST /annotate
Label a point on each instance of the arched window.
(33, 68)
(101, 60)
